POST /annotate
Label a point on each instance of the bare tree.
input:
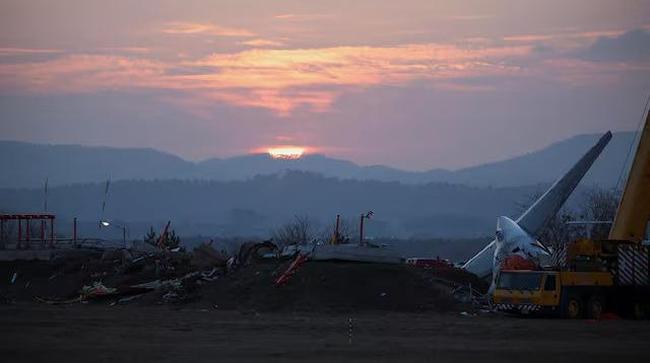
(348, 230)
(558, 230)
(170, 241)
(299, 231)
(600, 205)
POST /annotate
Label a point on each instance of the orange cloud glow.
(281, 68)
(278, 101)
(188, 28)
(262, 43)
(82, 73)
(283, 80)
(276, 79)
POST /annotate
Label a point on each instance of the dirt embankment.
(316, 286)
(332, 286)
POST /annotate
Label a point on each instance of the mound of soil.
(331, 286)
(42, 278)
(318, 286)
(63, 278)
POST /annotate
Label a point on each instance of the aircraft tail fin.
(544, 208)
(535, 218)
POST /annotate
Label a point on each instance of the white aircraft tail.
(515, 248)
(537, 216)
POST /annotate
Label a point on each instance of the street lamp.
(110, 224)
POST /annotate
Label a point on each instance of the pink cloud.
(262, 43)
(81, 73)
(589, 36)
(283, 80)
(189, 28)
(23, 51)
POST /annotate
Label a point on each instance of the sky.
(414, 84)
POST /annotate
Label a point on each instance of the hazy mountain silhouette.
(548, 164)
(27, 165)
(255, 206)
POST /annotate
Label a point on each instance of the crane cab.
(525, 291)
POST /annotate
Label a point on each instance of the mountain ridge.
(30, 164)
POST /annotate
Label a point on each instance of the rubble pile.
(321, 286)
(101, 275)
(244, 281)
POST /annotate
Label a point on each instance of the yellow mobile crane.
(592, 276)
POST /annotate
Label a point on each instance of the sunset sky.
(413, 84)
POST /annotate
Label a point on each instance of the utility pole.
(363, 216)
(361, 229)
(336, 230)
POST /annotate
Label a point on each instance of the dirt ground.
(130, 333)
(317, 286)
(396, 313)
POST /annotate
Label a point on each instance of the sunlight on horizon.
(286, 152)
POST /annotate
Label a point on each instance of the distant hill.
(256, 206)
(546, 165)
(27, 165)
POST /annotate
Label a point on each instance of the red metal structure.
(293, 268)
(24, 236)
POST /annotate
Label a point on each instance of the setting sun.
(286, 152)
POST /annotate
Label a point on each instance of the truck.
(597, 276)
(587, 277)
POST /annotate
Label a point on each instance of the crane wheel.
(573, 307)
(638, 312)
(595, 307)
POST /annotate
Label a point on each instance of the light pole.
(110, 224)
(363, 216)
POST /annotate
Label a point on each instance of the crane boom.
(633, 212)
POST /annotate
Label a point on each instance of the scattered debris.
(128, 298)
(205, 256)
(55, 275)
(293, 268)
(56, 301)
(247, 281)
(252, 251)
(96, 290)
